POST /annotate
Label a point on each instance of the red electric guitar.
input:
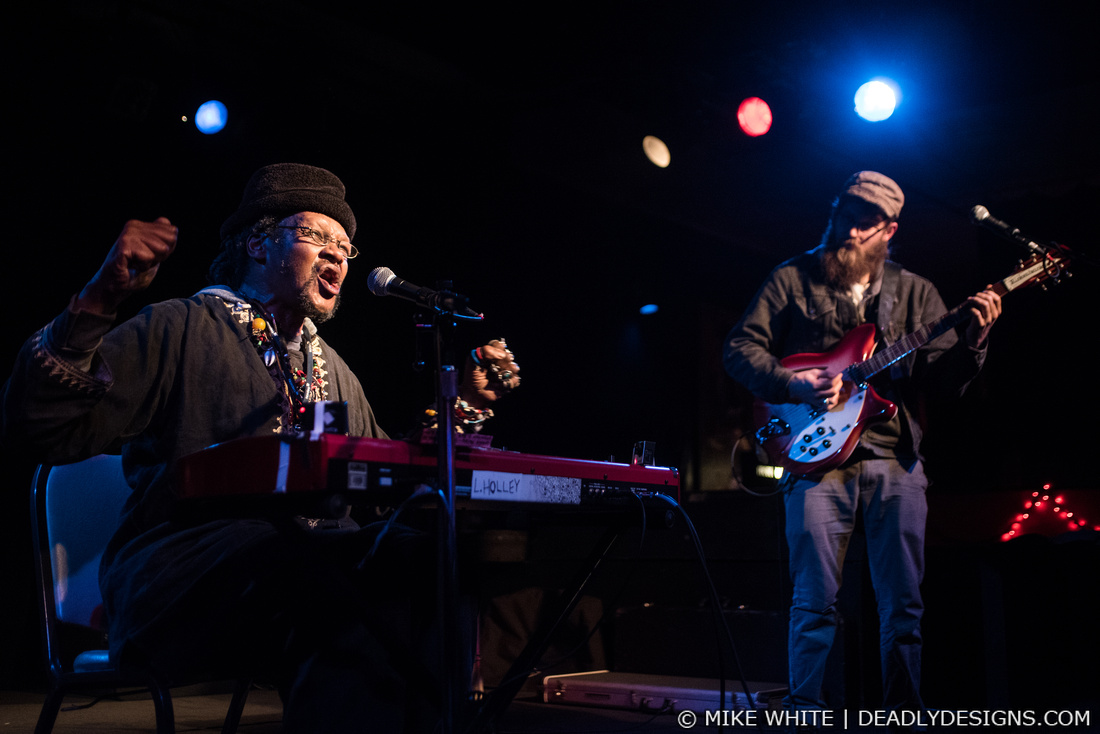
(805, 439)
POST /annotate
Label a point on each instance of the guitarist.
(808, 304)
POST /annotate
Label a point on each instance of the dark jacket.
(178, 377)
(796, 312)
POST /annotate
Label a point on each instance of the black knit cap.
(282, 189)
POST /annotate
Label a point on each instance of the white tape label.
(508, 487)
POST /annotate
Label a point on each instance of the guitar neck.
(864, 371)
(861, 372)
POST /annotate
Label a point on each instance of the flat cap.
(876, 189)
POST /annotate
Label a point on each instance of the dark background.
(499, 146)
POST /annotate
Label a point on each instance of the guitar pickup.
(774, 427)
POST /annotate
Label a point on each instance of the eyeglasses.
(874, 231)
(863, 222)
(322, 240)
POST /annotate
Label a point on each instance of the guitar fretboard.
(861, 372)
(1038, 270)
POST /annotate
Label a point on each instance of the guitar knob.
(827, 443)
(821, 430)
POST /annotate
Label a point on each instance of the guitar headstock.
(1040, 268)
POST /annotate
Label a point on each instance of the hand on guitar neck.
(985, 308)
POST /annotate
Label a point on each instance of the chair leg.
(48, 716)
(162, 704)
(236, 706)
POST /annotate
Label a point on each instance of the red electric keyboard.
(384, 471)
(319, 477)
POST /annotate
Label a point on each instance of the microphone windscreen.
(978, 214)
(379, 281)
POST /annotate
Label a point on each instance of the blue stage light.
(648, 309)
(875, 101)
(211, 117)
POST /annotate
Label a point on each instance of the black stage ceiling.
(500, 146)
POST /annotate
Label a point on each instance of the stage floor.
(200, 712)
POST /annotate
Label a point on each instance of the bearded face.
(307, 277)
(857, 243)
(305, 299)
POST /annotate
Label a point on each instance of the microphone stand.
(454, 679)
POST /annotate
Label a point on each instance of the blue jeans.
(821, 515)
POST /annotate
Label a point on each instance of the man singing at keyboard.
(341, 629)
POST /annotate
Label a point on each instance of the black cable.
(420, 494)
(603, 617)
(116, 695)
(613, 603)
(720, 619)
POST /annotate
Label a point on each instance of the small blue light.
(875, 101)
(211, 117)
(647, 309)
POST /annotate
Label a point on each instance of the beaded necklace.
(295, 389)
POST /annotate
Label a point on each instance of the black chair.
(75, 508)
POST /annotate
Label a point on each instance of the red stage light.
(754, 116)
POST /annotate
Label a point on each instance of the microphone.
(875, 231)
(382, 282)
(980, 215)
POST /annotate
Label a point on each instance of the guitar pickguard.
(806, 440)
(821, 437)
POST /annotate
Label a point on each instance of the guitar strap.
(888, 295)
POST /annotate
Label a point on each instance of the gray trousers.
(821, 514)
